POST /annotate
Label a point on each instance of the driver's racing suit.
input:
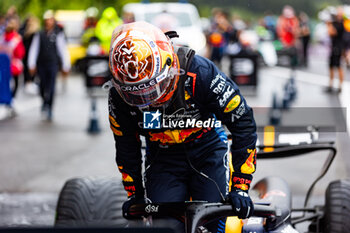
(173, 154)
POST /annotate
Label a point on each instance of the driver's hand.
(131, 201)
(241, 203)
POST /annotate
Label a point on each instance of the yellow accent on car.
(76, 52)
(233, 225)
(269, 138)
(234, 102)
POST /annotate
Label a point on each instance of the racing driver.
(177, 101)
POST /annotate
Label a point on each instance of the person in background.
(2, 24)
(270, 24)
(220, 33)
(346, 37)
(90, 23)
(48, 52)
(336, 31)
(128, 17)
(91, 17)
(105, 26)
(288, 32)
(12, 13)
(30, 26)
(11, 43)
(304, 36)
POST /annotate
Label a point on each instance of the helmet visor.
(145, 93)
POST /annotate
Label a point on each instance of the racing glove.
(241, 203)
(132, 200)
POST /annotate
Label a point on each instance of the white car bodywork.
(180, 17)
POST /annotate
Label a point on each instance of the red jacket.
(11, 43)
(287, 30)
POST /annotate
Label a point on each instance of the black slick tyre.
(337, 208)
(87, 202)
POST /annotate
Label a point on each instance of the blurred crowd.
(34, 52)
(339, 31)
(38, 53)
(288, 32)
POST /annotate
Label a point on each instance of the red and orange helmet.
(144, 65)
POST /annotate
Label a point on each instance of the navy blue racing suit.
(175, 156)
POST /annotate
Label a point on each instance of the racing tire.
(337, 207)
(87, 202)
